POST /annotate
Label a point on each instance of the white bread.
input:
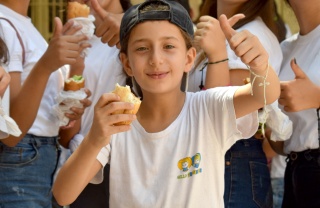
(76, 9)
(74, 83)
(126, 95)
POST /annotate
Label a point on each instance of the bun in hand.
(76, 9)
(74, 83)
(126, 95)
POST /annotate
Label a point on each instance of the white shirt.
(306, 50)
(183, 165)
(46, 122)
(103, 70)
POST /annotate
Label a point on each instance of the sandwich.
(126, 95)
(76, 9)
(74, 83)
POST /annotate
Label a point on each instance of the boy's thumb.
(226, 27)
(98, 9)
(57, 27)
(297, 70)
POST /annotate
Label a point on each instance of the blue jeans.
(247, 177)
(278, 189)
(302, 180)
(26, 172)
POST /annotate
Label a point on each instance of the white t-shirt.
(103, 70)
(5, 104)
(46, 122)
(306, 50)
(183, 165)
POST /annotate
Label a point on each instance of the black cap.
(176, 14)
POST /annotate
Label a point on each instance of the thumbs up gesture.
(300, 93)
(107, 24)
(246, 46)
(64, 47)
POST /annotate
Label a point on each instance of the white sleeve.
(75, 142)
(103, 158)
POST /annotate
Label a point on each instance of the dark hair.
(125, 4)
(135, 16)
(4, 54)
(252, 9)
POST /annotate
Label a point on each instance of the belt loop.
(307, 155)
(36, 141)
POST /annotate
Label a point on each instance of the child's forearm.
(217, 71)
(76, 173)
(265, 86)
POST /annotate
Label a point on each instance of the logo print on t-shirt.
(189, 166)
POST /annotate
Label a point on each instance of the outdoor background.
(43, 12)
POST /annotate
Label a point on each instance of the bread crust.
(76, 9)
(72, 85)
(126, 95)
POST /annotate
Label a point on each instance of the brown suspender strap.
(19, 37)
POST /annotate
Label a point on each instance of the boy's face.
(157, 56)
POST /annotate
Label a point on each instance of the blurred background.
(43, 12)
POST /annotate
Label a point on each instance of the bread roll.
(126, 95)
(74, 83)
(76, 9)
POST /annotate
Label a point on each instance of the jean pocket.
(19, 155)
(261, 184)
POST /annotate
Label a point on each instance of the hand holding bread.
(126, 95)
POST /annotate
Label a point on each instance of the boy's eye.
(142, 48)
(168, 46)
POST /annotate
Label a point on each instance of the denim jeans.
(26, 172)
(247, 177)
(302, 180)
(278, 189)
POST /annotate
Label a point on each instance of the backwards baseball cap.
(175, 13)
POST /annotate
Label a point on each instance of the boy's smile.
(157, 55)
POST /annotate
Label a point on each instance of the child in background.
(300, 100)
(171, 125)
(102, 70)
(28, 162)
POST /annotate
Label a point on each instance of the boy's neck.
(19, 6)
(307, 15)
(157, 113)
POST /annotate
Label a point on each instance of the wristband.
(216, 62)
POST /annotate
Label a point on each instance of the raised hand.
(299, 94)
(209, 36)
(107, 25)
(246, 46)
(64, 47)
(103, 122)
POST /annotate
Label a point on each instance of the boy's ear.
(125, 63)
(191, 55)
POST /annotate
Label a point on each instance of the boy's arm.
(210, 38)
(25, 99)
(82, 165)
(265, 86)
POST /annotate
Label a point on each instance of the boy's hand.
(299, 94)
(209, 36)
(107, 25)
(103, 122)
(64, 47)
(246, 46)
(77, 113)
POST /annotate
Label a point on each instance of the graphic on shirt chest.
(189, 166)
